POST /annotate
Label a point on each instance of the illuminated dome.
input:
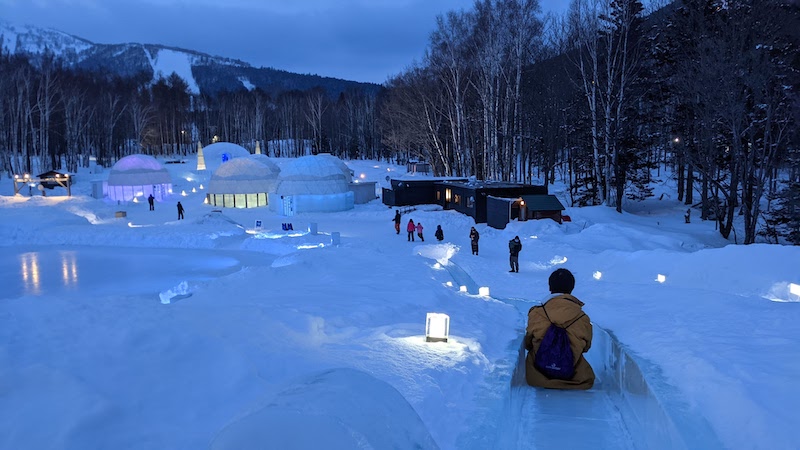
(243, 183)
(316, 183)
(313, 175)
(220, 152)
(138, 176)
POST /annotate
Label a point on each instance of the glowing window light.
(597, 275)
(661, 278)
(363, 176)
(437, 327)
(794, 289)
(449, 284)
(462, 289)
(483, 291)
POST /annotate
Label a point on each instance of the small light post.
(437, 327)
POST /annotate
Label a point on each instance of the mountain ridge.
(204, 73)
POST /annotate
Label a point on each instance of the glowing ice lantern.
(661, 278)
(437, 327)
(363, 176)
(483, 291)
(462, 289)
(194, 190)
(597, 275)
(183, 193)
(201, 187)
(794, 289)
(449, 284)
(135, 199)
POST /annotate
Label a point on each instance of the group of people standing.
(415, 228)
(514, 245)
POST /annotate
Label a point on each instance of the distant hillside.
(202, 72)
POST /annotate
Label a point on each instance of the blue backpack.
(554, 359)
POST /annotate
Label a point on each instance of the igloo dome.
(138, 176)
(314, 184)
(313, 175)
(216, 154)
(243, 183)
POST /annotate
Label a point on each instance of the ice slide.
(629, 407)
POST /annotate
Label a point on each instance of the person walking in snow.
(473, 237)
(561, 311)
(514, 247)
(439, 233)
(150, 201)
(180, 211)
(419, 231)
(397, 221)
(411, 228)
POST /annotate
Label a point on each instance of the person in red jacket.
(411, 228)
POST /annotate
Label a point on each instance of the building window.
(470, 202)
(448, 194)
(438, 196)
(457, 199)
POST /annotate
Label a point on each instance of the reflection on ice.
(69, 269)
(29, 268)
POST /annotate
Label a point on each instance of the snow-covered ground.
(146, 332)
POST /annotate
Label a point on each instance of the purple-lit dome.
(138, 176)
(137, 162)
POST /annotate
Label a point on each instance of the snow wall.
(656, 416)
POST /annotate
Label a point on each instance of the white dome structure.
(138, 176)
(339, 163)
(314, 184)
(243, 183)
(220, 152)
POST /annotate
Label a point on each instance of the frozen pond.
(53, 271)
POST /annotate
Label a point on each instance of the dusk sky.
(361, 40)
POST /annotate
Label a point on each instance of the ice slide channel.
(629, 407)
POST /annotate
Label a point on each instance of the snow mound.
(336, 409)
(180, 291)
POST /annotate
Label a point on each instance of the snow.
(270, 336)
(167, 61)
(246, 83)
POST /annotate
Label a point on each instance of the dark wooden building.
(412, 192)
(501, 211)
(466, 197)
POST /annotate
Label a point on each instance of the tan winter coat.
(562, 309)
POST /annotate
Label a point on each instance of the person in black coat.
(514, 247)
(150, 201)
(397, 221)
(473, 237)
(439, 233)
(180, 211)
